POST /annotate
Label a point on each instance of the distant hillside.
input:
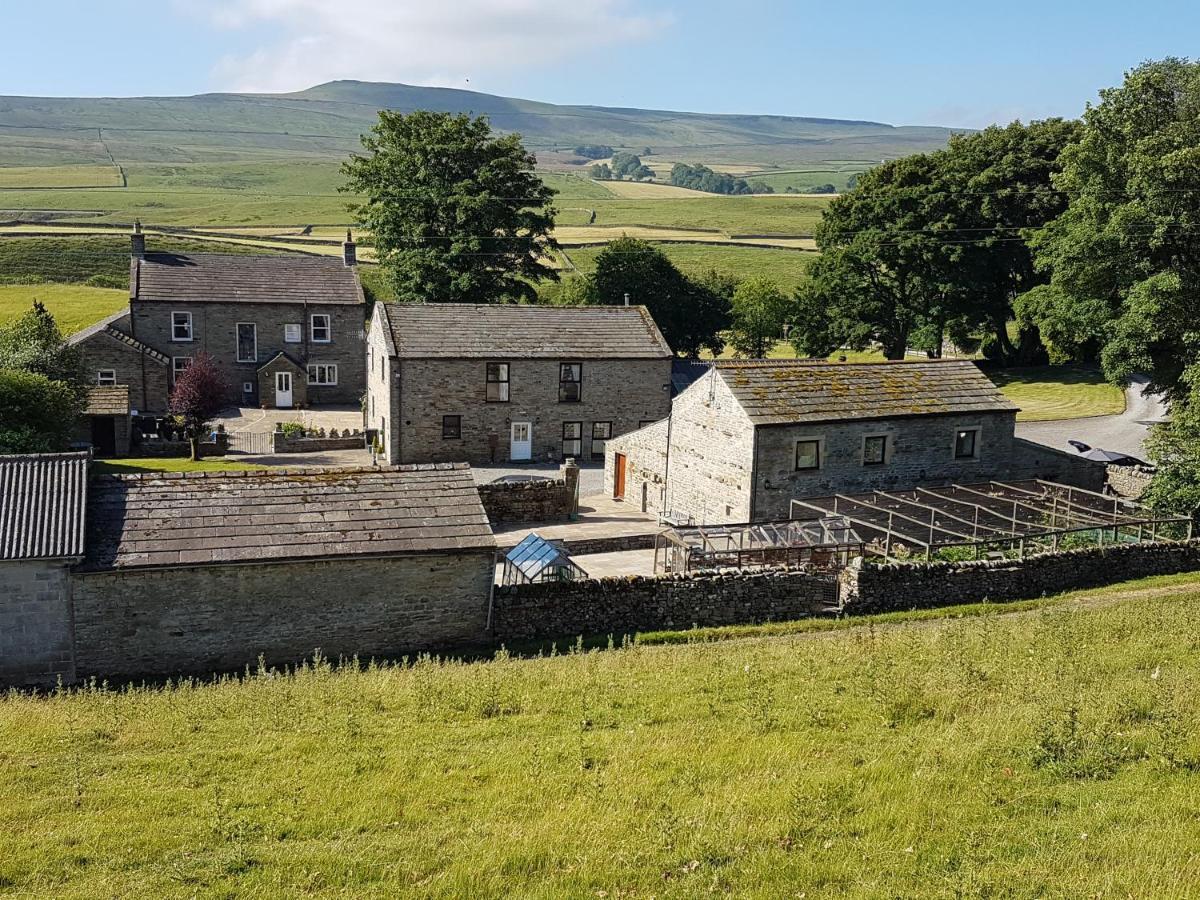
(325, 122)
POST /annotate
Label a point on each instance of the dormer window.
(181, 326)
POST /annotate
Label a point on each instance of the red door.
(619, 476)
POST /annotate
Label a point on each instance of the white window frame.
(330, 373)
(237, 339)
(185, 324)
(887, 449)
(176, 368)
(106, 378)
(974, 457)
(293, 333)
(247, 387)
(327, 328)
(820, 442)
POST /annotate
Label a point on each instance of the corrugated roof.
(498, 331)
(175, 519)
(229, 278)
(42, 503)
(782, 392)
(108, 401)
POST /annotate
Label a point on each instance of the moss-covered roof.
(779, 392)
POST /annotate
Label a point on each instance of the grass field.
(1059, 392)
(786, 267)
(58, 177)
(133, 466)
(1049, 753)
(74, 306)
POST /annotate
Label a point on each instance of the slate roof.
(42, 505)
(115, 326)
(786, 392)
(108, 401)
(686, 372)
(229, 278)
(506, 331)
(175, 519)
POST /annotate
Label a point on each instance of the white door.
(283, 390)
(522, 441)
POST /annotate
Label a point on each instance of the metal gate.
(254, 443)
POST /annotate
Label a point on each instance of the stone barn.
(746, 438)
(208, 572)
(42, 499)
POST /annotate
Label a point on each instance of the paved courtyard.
(599, 517)
(252, 420)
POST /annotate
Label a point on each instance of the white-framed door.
(521, 445)
(283, 390)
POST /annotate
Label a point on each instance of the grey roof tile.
(500, 331)
(229, 278)
(779, 392)
(163, 519)
(42, 505)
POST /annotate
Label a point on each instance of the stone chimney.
(137, 242)
(349, 250)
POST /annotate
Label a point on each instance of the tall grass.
(1051, 753)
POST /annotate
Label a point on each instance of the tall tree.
(759, 311)
(37, 414)
(456, 212)
(1125, 255)
(33, 343)
(690, 314)
(200, 392)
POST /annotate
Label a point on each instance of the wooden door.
(619, 476)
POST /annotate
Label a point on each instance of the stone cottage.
(504, 383)
(42, 501)
(747, 437)
(285, 330)
(210, 571)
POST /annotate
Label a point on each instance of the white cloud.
(441, 42)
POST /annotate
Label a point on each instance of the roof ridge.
(282, 471)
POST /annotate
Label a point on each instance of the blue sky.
(935, 63)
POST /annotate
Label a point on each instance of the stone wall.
(1034, 460)
(624, 393)
(214, 331)
(35, 624)
(645, 452)
(317, 443)
(148, 378)
(886, 588)
(629, 605)
(221, 618)
(1129, 481)
(531, 501)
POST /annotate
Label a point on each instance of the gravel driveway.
(1124, 433)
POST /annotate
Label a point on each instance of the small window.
(570, 378)
(497, 383)
(808, 455)
(451, 428)
(181, 326)
(321, 332)
(247, 342)
(106, 377)
(247, 387)
(601, 432)
(291, 333)
(966, 443)
(322, 374)
(178, 365)
(572, 444)
(875, 450)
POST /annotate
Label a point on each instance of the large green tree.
(1125, 255)
(33, 343)
(37, 413)
(456, 212)
(690, 313)
(760, 309)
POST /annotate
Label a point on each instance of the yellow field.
(74, 306)
(640, 190)
(33, 177)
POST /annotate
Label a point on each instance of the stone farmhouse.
(286, 331)
(747, 437)
(512, 383)
(209, 572)
(42, 504)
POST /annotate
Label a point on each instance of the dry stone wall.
(1130, 481)
(35, 624)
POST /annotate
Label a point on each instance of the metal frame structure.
(1020, 515)
(535, 560)
(824, 544)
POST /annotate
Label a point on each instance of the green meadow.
(1053, 751)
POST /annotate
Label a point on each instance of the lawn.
(74, 306)
(786, 267)
(745, 216)
(58, 177)
(133, 466)
(1059, 392)
(1053, 752)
